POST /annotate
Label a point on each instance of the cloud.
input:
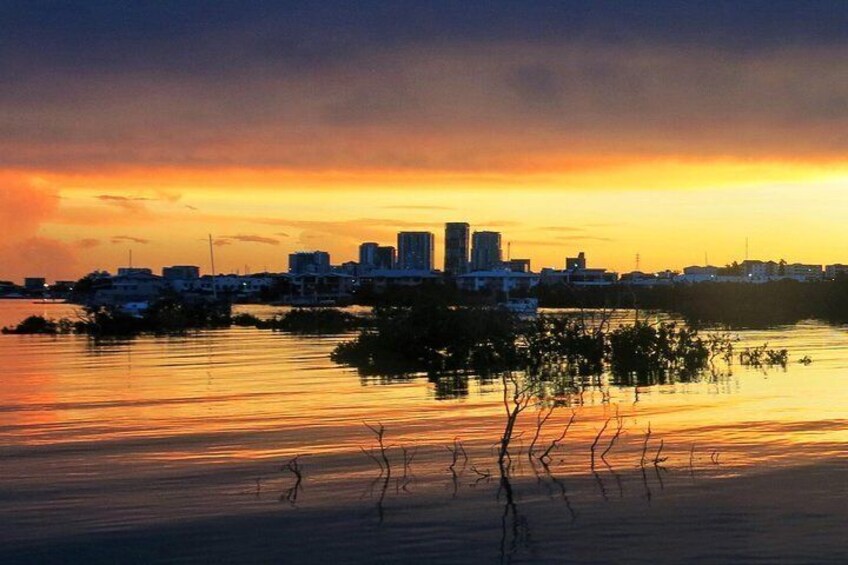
(129, 239)
(87, 243)
(247, 238)
(39, 257)
(409, 87)
(24, 206)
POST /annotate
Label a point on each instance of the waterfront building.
(835, 271)
(35, 284)
(486, 251)
(129, 286)
(380, 280)
(698, 274)
(309, 262)
(415, 250)
(181, 272)
(456, 248)
(500, 280)
(125, 271)
(579, 277)
(639, 278)
(518, 265)
(351, 268)
(760, 271)
(803, 273)
(573, 263)
(320, 288)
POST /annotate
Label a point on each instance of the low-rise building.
(698, 274)
(133, 286)
(181, 272)
(497, 281)
(835, 271)
(802, 273)
(578, 277)
(380, 280)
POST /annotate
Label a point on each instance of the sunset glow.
(275, 134)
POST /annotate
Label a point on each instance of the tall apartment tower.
(309, 263)
(415, 250)
(368, 256)
(386, 257)
(486, 250)
(456, 248)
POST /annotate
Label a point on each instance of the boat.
(522, 306)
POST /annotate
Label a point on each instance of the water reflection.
(176, 430)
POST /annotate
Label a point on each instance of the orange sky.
(671, 212)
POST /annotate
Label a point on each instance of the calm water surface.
(171, 448)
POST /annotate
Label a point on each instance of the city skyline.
(660, 129)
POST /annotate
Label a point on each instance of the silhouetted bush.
(38, 325)
(315, 321)
(442, 340)
(434, 338)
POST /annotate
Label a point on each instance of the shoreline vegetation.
(550, 350)
(438, 339)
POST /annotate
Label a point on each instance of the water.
(172, 448)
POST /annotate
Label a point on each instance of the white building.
(497, 280)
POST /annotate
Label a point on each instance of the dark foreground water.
(172, 449)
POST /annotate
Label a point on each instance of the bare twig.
(645, 446)
(380, 432)
(456, 450)
(293, 466)
(541, 417)
(547, 453)
(657, 458)
(619, 426)
(597, 439)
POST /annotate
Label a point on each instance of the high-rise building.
(309, 263)
(456, 248)
(415, 250)
(368, 256)
(386, 257)
(485, 250)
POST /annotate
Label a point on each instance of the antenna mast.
(212, 258)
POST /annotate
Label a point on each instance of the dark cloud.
(441, 85)
(247, 238)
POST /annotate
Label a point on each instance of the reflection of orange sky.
(252, 394)
(671, 211)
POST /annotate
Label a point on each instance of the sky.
(671, 130)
